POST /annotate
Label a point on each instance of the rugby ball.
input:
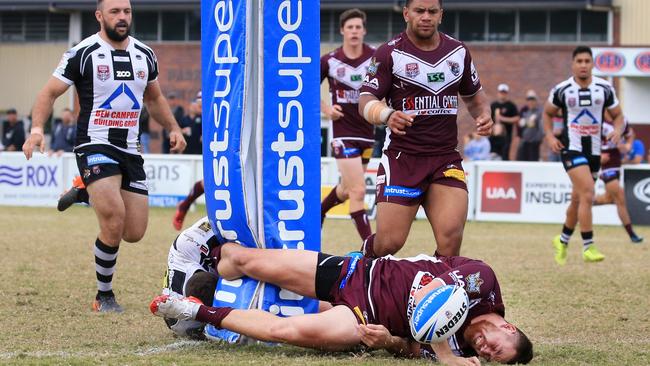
(439, 314)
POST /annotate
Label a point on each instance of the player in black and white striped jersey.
(114, 74)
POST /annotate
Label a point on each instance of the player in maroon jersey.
(353, 140)
(372, 301)
(610, 174)
(420, 74)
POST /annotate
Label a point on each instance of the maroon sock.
(629, 230)
(368, 247)
(195, 193)
(330, 201)
(213, 315)
(360, 219)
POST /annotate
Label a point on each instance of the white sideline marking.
(185, 343)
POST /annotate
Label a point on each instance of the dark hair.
(351, 14)
(408, 2)
(201, 285)
(524, 349)
(582, 49)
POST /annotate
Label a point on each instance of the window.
(59, 27)
(194, 20)
(145, 25)
(471, 26)
(501, 26)
(532, 26)
(325, 26)
(397, 24)
(564, 26)
(593, 26)
(12, 27)
(377, 27)
(89, 24)
(173, 26)
(33, 26)
(448, 25)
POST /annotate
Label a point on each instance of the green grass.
(580, 314)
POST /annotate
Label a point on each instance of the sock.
(212, 315)
(105, 260)
(360, 219)
(368, 247)
(566, 235)
(195, 193)
(587, 239)
(82, 196)
(330, 201)
(629, 230)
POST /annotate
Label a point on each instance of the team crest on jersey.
(96, 169)
(454, 67)
(140, 74)
(598, 101)
(103, 72)
(474, 282)
(572, 102)
(374, 65)
(412, 70)
(340, 72)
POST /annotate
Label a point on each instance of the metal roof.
(325, 4)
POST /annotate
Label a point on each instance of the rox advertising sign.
(256, 56)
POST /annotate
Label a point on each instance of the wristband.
(377, 112)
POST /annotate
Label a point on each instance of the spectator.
(193, 128)
(558, 128)
(477, 147)
(144, 130)
(63, 133)
(635, 152)
(178, 112)
(505, 112)
(380, 138)
(497, 141)
(13, 132)
(532, 129)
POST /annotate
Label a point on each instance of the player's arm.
(447, 357)
(550, 111)
(160, 111)
(479, 108)
(41, 111)
(378, 113)
(378, 337)
(618, 122)
(332, 112)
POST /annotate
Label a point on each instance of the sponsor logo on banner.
(228, 180)
(501, 192)
(609, 61)
(642, 62)
(28, 176)
(290, 146)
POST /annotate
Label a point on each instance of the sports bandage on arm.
(377, 112)
(36, 131)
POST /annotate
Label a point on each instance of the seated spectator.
(63, 133)
(477, 147)
(13, 132)
(531, 128)
(635, 152)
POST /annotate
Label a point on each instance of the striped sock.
(566, 235)
(105, 260)
(587, 239)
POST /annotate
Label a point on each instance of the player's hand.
(374, 335)
(398, 121)
(484, 125)
(554, 144)
(335, 112)
(34, 140)
(604, 158)
(614, 136)
(176, 141)
(460, 361)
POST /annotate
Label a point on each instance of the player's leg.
(446, 209)
(393, 227)
(354, 185)
(294, 270)
(108, 205)
(583, 183)
(136, 215)
(182, 208)
(614, 190)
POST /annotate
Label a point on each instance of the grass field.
(580, 314)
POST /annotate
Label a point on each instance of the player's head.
(422, 17)
(495, 339)
(583, 62)
(201, 285)
(352, 24)
(114, 17)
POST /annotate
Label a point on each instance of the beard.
(113, 34)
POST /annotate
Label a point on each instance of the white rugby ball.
(439, 314)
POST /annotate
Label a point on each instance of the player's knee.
(357, 193)
(132, 236)
(587, 196)
(386, 244)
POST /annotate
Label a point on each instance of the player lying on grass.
(372, 301)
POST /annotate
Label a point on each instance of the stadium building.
(525, 43)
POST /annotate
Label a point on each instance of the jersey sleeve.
(470, 83)
(69, 68)
(324, 67)
(153, 67)
(611, 101)
(555, 97)
(379, 76)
